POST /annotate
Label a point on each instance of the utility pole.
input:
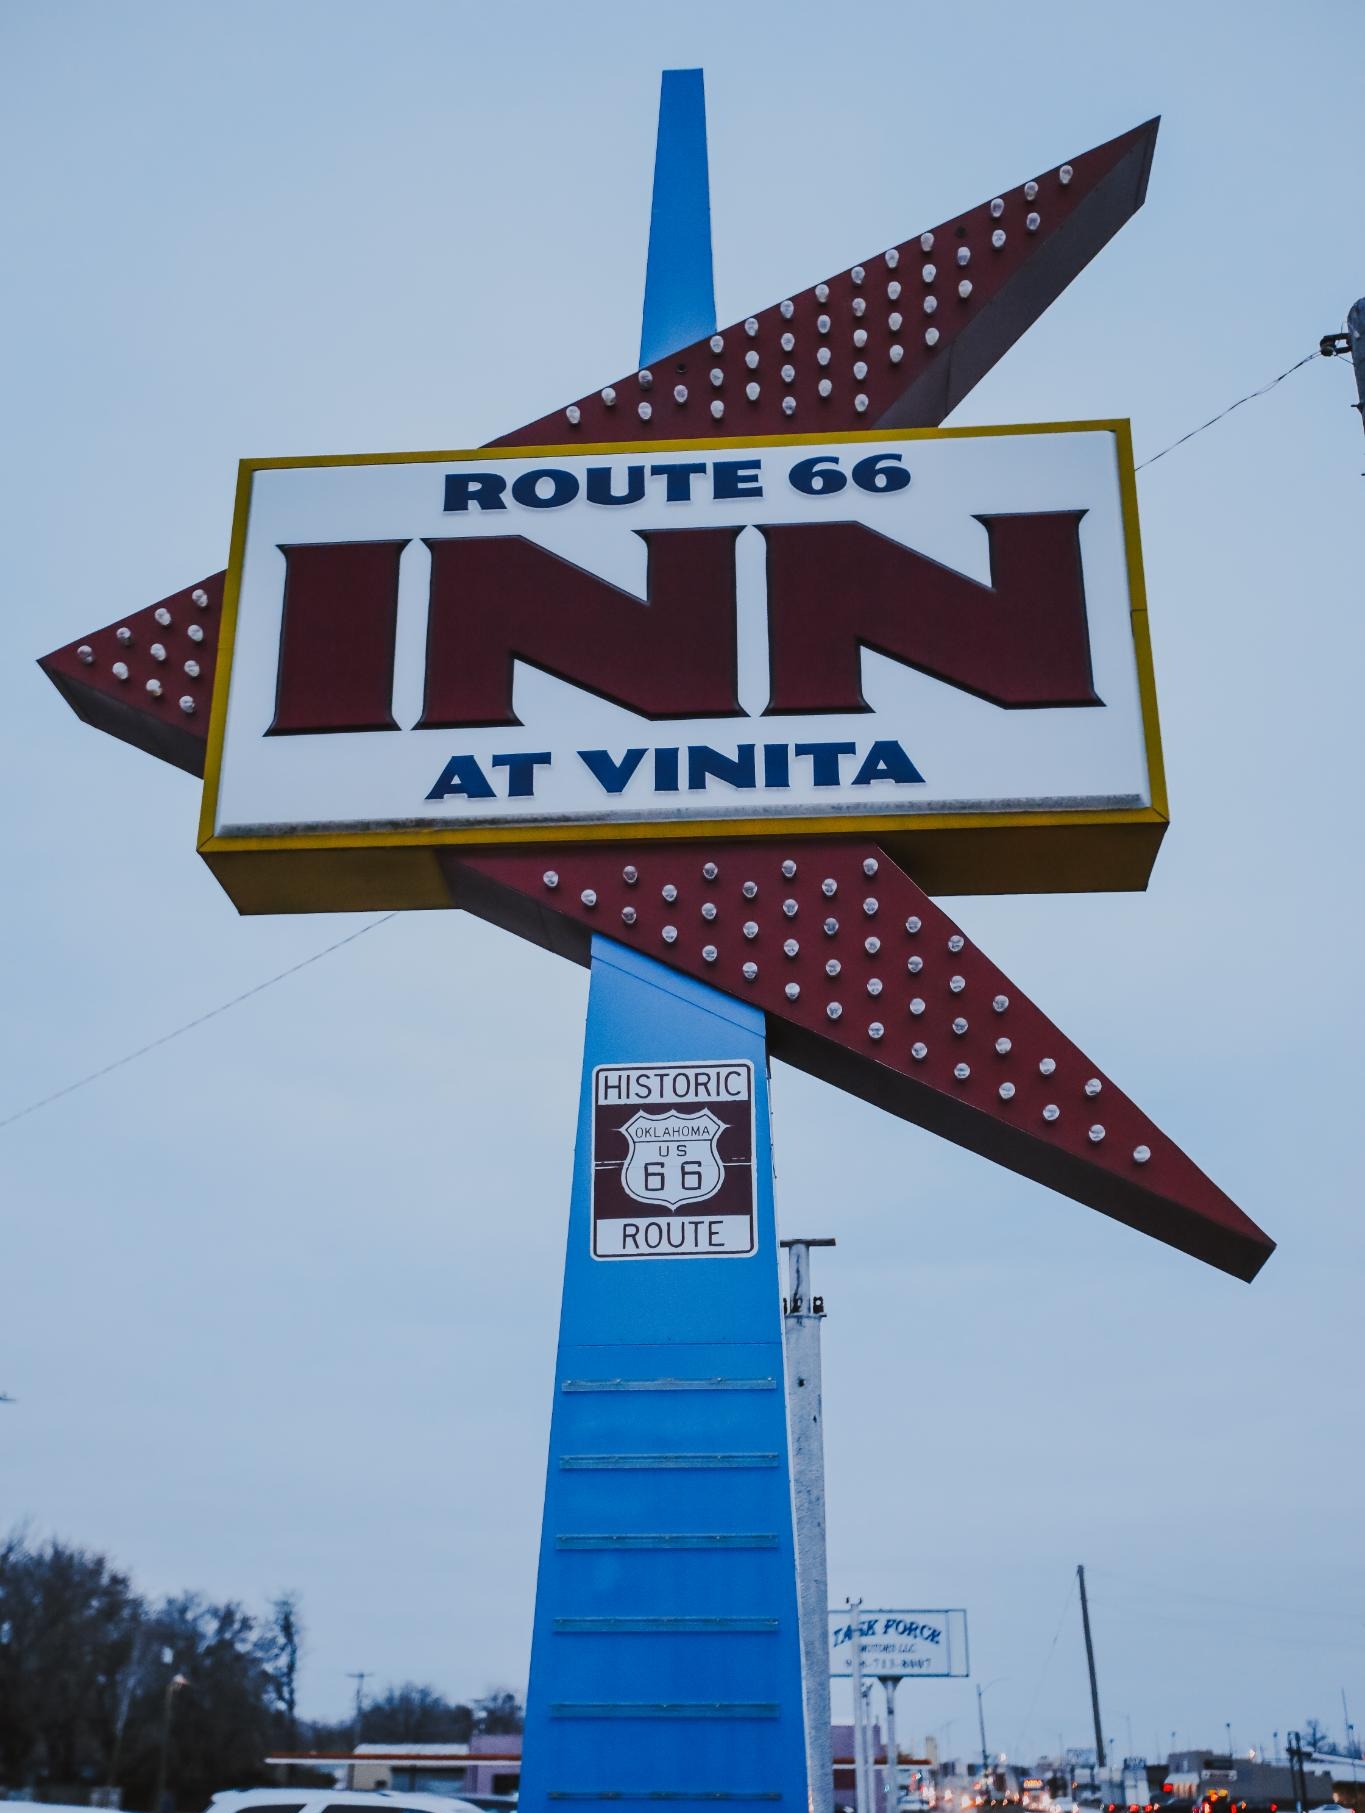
(359, 1676)
(1352, 342)
(861, 1785)
(1355, 329)
(803, 1314)
(981, 1726)
(1294, 1745)
(1090, 1664)
(893, 1774)
(981, 1693)
(870, 1749)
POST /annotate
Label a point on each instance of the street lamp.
(173, 1687)
(981, 1720)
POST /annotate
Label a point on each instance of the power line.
(189, 1025)
(1249, 397)
(1147, 1588)
(1284, 1627)
(1042, 1672)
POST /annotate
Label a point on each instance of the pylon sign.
(900, 633)
(931, 1644)
(683, 680)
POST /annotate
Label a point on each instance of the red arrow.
(870, 986)
(148, 679)
(895, 342)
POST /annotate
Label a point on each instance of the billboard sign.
(673, 1161)
(922, 634)
(899, 1643)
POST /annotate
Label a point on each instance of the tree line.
(158, 1704)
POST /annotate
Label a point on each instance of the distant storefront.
(485, 1766)
(1229, 1783)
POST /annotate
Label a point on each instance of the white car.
(334, 1800)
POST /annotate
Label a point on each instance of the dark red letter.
(837, 588)
(336, 637)
(497, 599)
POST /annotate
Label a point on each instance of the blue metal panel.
(680, 296)
(666, 1661)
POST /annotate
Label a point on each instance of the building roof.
(508, 1750)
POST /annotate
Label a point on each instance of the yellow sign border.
(1055, 863)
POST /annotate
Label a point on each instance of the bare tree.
(499, 1711)
(85, 1665)
(284, 1646)
(415, 1714)
(68, 1627)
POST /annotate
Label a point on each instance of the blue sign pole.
(666, 1659)
(680, 295)
(666, 1654)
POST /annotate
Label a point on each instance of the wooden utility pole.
(1090, 1664)
(359, 1676)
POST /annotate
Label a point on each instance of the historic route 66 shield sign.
(672, 1161)
(673, 1158)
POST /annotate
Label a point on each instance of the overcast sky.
(280, 1299)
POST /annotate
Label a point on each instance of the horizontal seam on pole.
(630, 1627)
(713, 1384)
(678, 1462)
(664, 1709)
(681, 1539)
